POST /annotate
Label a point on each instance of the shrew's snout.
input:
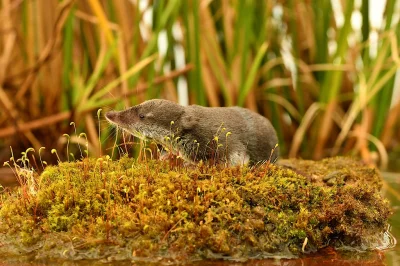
(111, 116)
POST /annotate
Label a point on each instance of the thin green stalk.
(93, 102)
(246, 20)
(381, 102)
(365, 30)
(295, 53)
(252, 74)
(67, 60)
(198, 86)
(193, 47)
(322, 11)
(135, 44)
(333, 80)
(218, 73)
(94, 78)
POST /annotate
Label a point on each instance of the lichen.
(117, 210)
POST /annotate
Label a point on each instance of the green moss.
(99, 208)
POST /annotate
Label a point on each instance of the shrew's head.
(150, 119)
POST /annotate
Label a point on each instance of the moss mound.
(125, 210)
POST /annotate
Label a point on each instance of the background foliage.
(327, 81)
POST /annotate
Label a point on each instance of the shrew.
(232, 135)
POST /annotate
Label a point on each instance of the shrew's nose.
(111, 115)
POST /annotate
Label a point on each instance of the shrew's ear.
(189, 119)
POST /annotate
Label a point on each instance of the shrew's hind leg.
(238, 158)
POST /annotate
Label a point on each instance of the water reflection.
(391, 190)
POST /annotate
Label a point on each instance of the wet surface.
(327, 257)
(392, 191)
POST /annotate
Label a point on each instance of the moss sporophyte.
(100, 208)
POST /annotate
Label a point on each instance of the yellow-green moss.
(128, 210)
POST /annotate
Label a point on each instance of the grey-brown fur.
(194, 129)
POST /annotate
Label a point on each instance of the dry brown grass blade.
(9, 41)
(251, 101)
(123, 66)
(228, 23)
(103, 21)
(141, 88)
(8, 105)
(236, 77)
(361, 131)
(388, 131)
(270, 64)
(359, 105)
(91, 37)
(46, 53)
(11, 7)
(35, 143)
(210, 85)
(305, 21)
(324, 130)
(277, 82)
(92, 133)
(124, 9)
(49, 79)
(8, 44)
(329, 67)
(285, 104)
(97, 67)
(305, 124)
(213, 50)
(94, 20)
(8, 131)
(362, 141)
(170, 92)
(9, 37)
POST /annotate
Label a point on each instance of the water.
(327, 257)
(392, 192)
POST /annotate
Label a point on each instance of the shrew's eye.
(141, 116)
